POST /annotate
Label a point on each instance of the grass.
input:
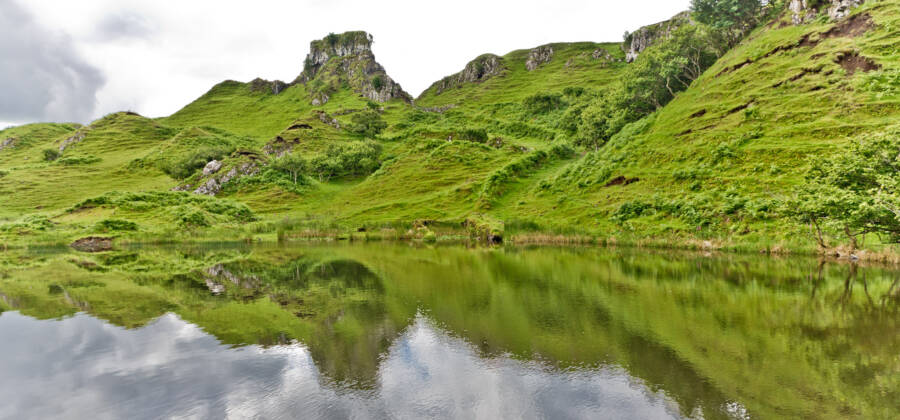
(713, 165)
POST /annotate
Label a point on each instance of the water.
(397, 331)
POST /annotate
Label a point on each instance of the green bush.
(478, 135)
(51, 154)
(367, 123)
(116, 224)
(542, 103)
(353, 158)
(79, 160)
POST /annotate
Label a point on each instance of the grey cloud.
(42, 78)
(124, 26)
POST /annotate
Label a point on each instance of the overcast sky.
(78, 60)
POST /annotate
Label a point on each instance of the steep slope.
(340, 72)
(491, 79)
(720, 159)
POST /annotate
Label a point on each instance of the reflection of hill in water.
(779, 336)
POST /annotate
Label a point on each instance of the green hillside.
(530, 144)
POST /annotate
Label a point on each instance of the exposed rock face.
(538, 56)
(214, 176)
(76, 138)
(347, 58)
(480, 69)
(646, 36)
(212, 167)
(803, 11)
(841, 8)
(262, 85)
(8, 143)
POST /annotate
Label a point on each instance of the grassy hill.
(496, 144)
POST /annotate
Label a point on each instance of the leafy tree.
(647, 85)
(731, 19)
(291, 164)
(368, 123)
(353, 158)
(854, 192)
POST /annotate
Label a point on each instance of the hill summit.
(347, 59)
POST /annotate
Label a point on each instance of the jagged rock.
(8, 143)
(646, 36)
(219, 271)
(602, 54)
(347, 59)
(841, 8)
(212, 167)
(538, 56)
(478, 70)
(803, 11)
(262, 85)
(211, 187)
(327, 119)
(76, 138)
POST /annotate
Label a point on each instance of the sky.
(74, 61)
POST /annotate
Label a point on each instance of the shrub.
(542, 103)
(368, 123)
(377, 82)
(353, 158)
(51, 154)
(116, 224)
(478, 135)
(631, 209)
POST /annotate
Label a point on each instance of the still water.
(399, 331)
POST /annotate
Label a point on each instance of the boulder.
(803, 11)
(478, 70)
(212, 167)
(538, 56)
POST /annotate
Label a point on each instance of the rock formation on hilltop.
(803, 11)
(347, 59)
(538, 56)
(641, 39)
(478, 70)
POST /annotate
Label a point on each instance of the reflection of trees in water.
(706, 331)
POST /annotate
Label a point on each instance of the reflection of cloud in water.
(81, 367)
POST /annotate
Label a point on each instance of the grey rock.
(641, 39)
(804, 11)
(76, 138)
(211, 187)
(538, 56)
(8, 143)
(841, 8)
(478, 70)
(212, 167)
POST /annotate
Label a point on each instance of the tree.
(291, 164)
(51, 154)
(732, 19)
(368, 123)
(854, 192)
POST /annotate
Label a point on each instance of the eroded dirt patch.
(621, 180)
(92, 244)
(852, 62)
(851, 27)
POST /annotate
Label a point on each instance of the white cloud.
(158, 56)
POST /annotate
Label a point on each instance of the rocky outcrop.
(803, 11)
(212, 167)
(218, 173)
(262, 85)
(478, 70)
(74, 139)
(8, 143)
(347, 59)
(538, 56)
(641, 39)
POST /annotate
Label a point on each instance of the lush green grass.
(714, 165)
